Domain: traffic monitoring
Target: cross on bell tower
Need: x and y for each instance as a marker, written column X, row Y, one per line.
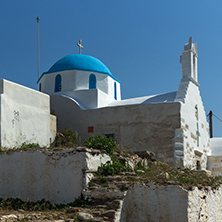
column 79, row 44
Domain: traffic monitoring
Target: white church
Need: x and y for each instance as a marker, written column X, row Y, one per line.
column 83, row 95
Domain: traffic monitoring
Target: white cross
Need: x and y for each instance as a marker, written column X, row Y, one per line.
column 80, row 46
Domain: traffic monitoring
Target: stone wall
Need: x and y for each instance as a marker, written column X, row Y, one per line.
column 140, row 127
column 57, row 176
column 154, row 203
column 214, row 160
column 214, row 164
column 193, row 138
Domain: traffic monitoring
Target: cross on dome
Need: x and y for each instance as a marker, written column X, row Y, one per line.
column 79, row 44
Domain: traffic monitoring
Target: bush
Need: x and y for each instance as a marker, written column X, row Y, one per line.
column 29, row 145
column 66, row 138
column 112, row 168
column 101, row 143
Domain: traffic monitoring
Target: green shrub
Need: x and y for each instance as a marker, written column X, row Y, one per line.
column 101, row 143
column 112, row 168
column 66, row 138
column 139, row 166
column 29, row 145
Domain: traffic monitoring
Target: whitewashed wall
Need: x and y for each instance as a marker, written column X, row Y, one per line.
column 135, row 127
column 25, row 116
column 75, row 80
column 89, row 98
column 53, row 128
column 57, row 176
column 171, row 203
column 192, row 114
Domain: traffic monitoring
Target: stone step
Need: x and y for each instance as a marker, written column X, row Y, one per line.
column 103, row 193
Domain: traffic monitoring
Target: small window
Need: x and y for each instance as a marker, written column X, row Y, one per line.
column 115, row 93
column 92, row 81
column 110, row 135
column 40, row 87
column 58, row 83
column 198, row 156
column 198, row 166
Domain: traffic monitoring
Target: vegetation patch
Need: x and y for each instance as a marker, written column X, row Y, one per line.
column 101, row 143
column 25, row 146
column 66, row 138
column 43, row 205
column 161, row 173
column 112, row 168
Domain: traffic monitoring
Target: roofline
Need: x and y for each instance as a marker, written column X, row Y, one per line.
column 45, row 73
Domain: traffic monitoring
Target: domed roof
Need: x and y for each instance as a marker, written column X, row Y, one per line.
column 80, row 62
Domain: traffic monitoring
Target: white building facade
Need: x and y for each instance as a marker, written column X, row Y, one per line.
column 25, row 116
column 86, row 97
column 82, row 77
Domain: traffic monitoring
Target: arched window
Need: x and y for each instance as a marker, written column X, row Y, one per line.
column 92, row 81
column 58, row 83
column 115, row 94
column 40, row 87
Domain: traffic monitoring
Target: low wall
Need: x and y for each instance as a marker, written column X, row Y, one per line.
column 214, row 164
column 57, row 176
column 171, row 203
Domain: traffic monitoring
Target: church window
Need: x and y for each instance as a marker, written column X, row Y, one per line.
column 58, row 83
column 198, row 166
column 197, row 157
column 92, row 81
column 115, row 94
column 40, row 87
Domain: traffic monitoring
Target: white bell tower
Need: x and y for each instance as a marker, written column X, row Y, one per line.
column 189, row 61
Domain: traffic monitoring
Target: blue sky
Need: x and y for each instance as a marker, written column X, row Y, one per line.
column 140, row 41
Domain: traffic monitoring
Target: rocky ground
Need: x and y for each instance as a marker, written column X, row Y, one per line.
column 106, row 192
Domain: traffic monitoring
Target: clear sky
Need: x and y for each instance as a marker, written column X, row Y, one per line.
column 140, row 42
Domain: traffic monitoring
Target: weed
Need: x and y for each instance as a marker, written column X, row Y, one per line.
column 25, row 146
column 42, row 205
column 104, row 185
column 124, row 187
column 80, row 202
column 133, row 179
column 66, row 138
column 75, row 217
column 139, row 166
column 101, row 143
column 91, row 184
column 112, row 168
column 104, row 179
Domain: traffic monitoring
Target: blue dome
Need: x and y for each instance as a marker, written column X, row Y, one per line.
column 80, row 62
